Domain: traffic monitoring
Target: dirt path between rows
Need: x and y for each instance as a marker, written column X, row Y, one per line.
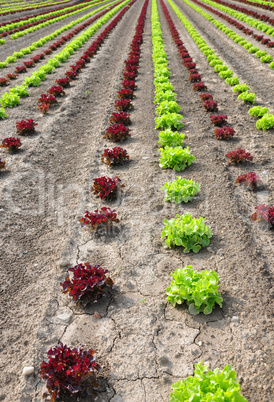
column 143, row 344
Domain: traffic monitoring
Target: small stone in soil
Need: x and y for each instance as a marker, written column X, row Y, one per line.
column 28, row 370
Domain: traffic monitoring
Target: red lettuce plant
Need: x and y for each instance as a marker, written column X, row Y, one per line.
column 20, row 69
column 45, row 98
column 72, row 74
column 206, row 96
column 11, row 76
column 98, row 218
column 193, row 71
column 69, row 371
column 218, row 120
column 117, row 132
column 224, row 133
column 43, row 107
column 199, row 86
column 63, row 82
column 29, row 63
column 187, row 60
column 210, row 106
column 76, row 68
column 264, row 213
column 87, row 284
column 189, row 66
column 56, row 90
column 131, row 67
column 250, row 179
column 81, row 63
column 129, row 84
column 132, row 60
column 114, row 156
column 107, row 187
column 270, row 44
column 195, row 77
column 2, row 164
column 120, row 118
column 238, row 156
column 130, row 75
column 25, row 127
column 125, row 94
column 4, row 82
column 11, row 143
column 123, row 105
column 47, row 51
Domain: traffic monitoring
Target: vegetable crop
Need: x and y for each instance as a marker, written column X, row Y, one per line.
column 198, row 289
column 69, row 372
column 186, row 231
column 176, row 158
column 180, row 190
column 88, row 282
column 207, row 385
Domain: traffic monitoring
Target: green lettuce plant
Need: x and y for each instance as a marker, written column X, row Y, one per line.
column 19, row 90
column 9, row 100
column 260, row 53
column 266, row 59
column 176, row 158
column 180, row 190
column 165, row 96
column 167, row 107
column 232, row 81
column 266, row 122
column 198, row 289
column 208, row 386
column 186, row 231
column 220, row 67
column 247, row 97
column 225, row 74
column 171, row 138
column 169, row 120
column 258, row 111
column 240, row 88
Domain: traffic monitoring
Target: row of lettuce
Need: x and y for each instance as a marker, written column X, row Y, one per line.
column 25, row 23
column 12, row 98
column 260, row 54
column 198, row 289
column 266, row 120
column 34, row 6
column 50, row 21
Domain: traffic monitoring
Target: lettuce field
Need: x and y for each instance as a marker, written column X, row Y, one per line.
column 137, row 207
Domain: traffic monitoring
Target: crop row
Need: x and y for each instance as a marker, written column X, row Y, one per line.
column 222, row 132
column 32, row 7
column 188, row 285
column 266, row 5
column 15, row 27
column 95, row 277
column 45, row 39
column 261, row 54
column 261, row 17
column 249, row 20
column 51, row 21
column 38, row 77
column 260, row 38
column 41, row 14
column 267, row 121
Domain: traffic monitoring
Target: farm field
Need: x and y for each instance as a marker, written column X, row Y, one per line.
column 162, row 54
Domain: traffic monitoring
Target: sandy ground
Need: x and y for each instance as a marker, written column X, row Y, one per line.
column 143, row 344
